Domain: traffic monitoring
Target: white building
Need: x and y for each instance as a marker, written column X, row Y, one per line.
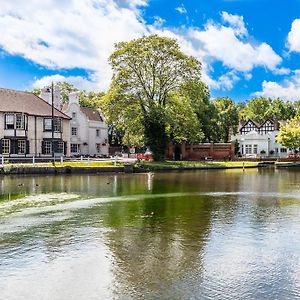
column 89, row 133
column 257, row 140
column 26, row 126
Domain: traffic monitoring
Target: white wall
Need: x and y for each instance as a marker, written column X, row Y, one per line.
column 265, row 142
column 86, row 131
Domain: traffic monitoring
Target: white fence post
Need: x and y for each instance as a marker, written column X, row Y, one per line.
column 81, row 158
column 61, row 161
column 2, row 161
column 88, row 161
column 115, row 160
column 33, row 160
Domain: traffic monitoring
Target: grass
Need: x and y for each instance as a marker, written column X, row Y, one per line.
column 73, row 164
column 192, row 164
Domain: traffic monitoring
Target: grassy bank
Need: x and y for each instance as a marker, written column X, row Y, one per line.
column 73, row 164
column 181, row 165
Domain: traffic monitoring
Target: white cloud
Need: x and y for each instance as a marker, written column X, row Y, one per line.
column 223, row 44
column 68, row 34
column 181, row 9
column 288, row 90
column 236, row 23
column 79, row 82
column 293, row 40
column 61, row 34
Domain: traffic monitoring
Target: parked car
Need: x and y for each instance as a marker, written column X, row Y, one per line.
column 147, row 155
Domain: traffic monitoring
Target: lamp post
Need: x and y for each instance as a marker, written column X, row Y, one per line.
column 52, row 121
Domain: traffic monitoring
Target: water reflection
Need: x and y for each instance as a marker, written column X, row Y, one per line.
column 191, row 235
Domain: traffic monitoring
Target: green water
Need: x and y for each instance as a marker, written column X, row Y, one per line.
column 188, row 235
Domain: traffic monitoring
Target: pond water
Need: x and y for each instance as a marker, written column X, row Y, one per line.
column 186, row 235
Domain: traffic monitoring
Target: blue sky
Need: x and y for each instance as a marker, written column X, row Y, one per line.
column 248, row 47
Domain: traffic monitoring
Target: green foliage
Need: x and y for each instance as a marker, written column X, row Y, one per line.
column 198, row 94
column 256, row 109
column 260, row 109
column 91, row 99
column 228, row 119
column 182, row 121
column 289, row 135
column 144, row 98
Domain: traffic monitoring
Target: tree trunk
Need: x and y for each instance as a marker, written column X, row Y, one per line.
column 155, row 134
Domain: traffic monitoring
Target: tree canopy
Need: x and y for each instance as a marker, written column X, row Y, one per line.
column 289, row 135
column 147, row 76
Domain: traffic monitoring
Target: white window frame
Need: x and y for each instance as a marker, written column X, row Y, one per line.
column 21, row 146
column 73, row 147
column 60, row 147
column 248, row 149
column 20, row 121
column 48, row 147
column 74, row 131
column 255, row 149
column 9, row 120
column 5, row 146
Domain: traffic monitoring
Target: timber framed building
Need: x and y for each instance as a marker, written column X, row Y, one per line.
column 26, row 126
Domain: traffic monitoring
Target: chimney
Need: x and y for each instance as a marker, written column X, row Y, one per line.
column 46, row 95
column 74, row 98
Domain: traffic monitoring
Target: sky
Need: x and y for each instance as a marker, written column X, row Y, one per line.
column 248, row 48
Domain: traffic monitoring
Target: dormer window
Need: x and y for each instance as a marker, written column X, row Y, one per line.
column 73, row 115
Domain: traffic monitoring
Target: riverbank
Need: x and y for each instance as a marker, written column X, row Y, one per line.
column 194, row 165
column 120, row 167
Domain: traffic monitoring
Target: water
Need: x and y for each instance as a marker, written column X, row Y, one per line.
column 190, row 235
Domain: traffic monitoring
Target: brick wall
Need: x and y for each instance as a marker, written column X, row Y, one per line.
column 201, row 151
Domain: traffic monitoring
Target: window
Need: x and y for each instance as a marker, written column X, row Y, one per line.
column 57, row 124
column 60, row 147
column 255, row 149
column 5, row 146
column 9, row 121
column 97, row 132
column 47, row 147
column 21, row 146
column 98, row 148
column 73, row 115
column 47, row 125
column 74, row 148
column 20, row 121
column 283, row 150
column 248, row 149
column 74, row 131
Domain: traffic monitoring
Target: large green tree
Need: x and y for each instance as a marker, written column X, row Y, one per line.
column 147, row 73
column 289, row 135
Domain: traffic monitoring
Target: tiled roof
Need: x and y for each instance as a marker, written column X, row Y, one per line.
column 26, row 102
column 92, row 114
